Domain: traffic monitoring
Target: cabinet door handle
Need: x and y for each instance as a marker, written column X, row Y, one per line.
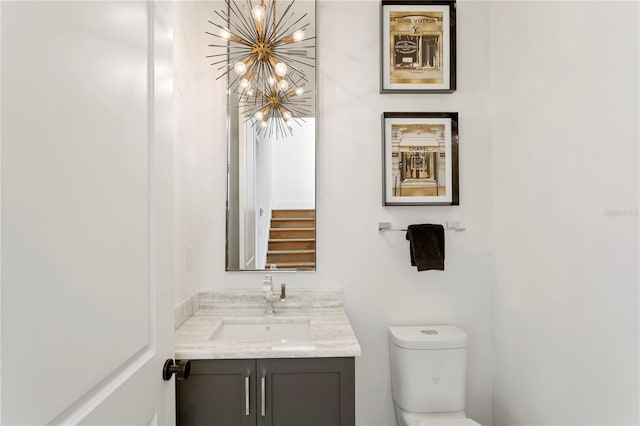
column 263, row 403
column 246, row 396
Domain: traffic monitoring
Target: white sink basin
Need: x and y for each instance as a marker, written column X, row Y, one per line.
column 263, row 329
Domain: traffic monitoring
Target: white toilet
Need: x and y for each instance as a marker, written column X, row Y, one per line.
column 428, row 369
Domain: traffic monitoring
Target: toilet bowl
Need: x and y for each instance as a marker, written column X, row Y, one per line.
column 428, row 370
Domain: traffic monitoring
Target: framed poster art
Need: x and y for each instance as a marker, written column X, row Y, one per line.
column 418, row 46
column 420, row 159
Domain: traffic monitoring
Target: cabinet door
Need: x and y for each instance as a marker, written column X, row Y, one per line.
column 306, row 392
column 218, row 392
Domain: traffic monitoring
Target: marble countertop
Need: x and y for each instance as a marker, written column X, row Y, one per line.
column 330, row 329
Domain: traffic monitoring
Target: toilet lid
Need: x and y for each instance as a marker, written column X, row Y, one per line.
column 447, row 422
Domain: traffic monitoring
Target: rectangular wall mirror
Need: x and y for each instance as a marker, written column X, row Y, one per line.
column 271, row 134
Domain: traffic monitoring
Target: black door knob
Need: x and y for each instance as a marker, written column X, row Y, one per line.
column 181, row 368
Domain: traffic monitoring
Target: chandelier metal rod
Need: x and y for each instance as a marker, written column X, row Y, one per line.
column 238, row 13
column 286, row 11
column 280, row 37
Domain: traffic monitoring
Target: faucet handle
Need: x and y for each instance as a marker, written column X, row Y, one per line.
column 283, row 292
column 266, row 283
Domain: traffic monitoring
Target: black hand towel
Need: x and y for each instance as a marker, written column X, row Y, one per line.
column 426, row 246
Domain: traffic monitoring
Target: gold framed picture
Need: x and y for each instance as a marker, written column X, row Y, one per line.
column 420, row 159
column 418, row 46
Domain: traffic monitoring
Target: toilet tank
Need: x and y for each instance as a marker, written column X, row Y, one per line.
column 428, row 367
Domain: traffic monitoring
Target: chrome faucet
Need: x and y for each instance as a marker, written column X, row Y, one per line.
column 269, row 297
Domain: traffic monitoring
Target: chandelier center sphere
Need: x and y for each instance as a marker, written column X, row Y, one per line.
column 262, row 50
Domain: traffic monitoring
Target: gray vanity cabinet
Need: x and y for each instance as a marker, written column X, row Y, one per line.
column 309, row 392
column 280, row 392
column 216, row 393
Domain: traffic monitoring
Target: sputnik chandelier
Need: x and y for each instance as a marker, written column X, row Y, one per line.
column 266, row 57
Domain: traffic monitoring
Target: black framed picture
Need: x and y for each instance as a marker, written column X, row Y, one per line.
column 418, row 46
column 420, row 159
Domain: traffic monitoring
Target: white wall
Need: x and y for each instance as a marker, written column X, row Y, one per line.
column 294, row 168
column 549, row 176
column 381, row 287
column 200, row 149
column 564, row 85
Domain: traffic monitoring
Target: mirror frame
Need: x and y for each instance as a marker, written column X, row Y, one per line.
column 230, row 116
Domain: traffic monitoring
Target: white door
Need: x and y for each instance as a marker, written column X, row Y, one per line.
column 86, row 219
column 247, row 195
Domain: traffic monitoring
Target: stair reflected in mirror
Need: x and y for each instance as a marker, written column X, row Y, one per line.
column 292, row 239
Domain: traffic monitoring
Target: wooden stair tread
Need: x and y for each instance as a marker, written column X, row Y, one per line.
column 293, row 229
column 292, row 223
column 291, row 240
column 292, row 233
column 284, row 243
column 293, row 264
column 310, row 214
column 301, row 251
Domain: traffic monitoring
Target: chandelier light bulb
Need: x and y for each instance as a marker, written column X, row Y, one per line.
column 250, row 92
column 244, row 84
column 281, row 69
column 299, row 91
column 298, row 35
column 287, row 116
column 263, row 123
column 271, row 81
column 283, row 85
column 258, row 12
column 225, row 34
column 289, row 123
column 259, row 115
column 240, row 68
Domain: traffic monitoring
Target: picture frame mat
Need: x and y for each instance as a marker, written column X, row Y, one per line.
column 386, row 42
column 392, row 199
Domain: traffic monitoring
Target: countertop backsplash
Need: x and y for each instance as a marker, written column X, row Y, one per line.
column 184, row 309
column 254, row 299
